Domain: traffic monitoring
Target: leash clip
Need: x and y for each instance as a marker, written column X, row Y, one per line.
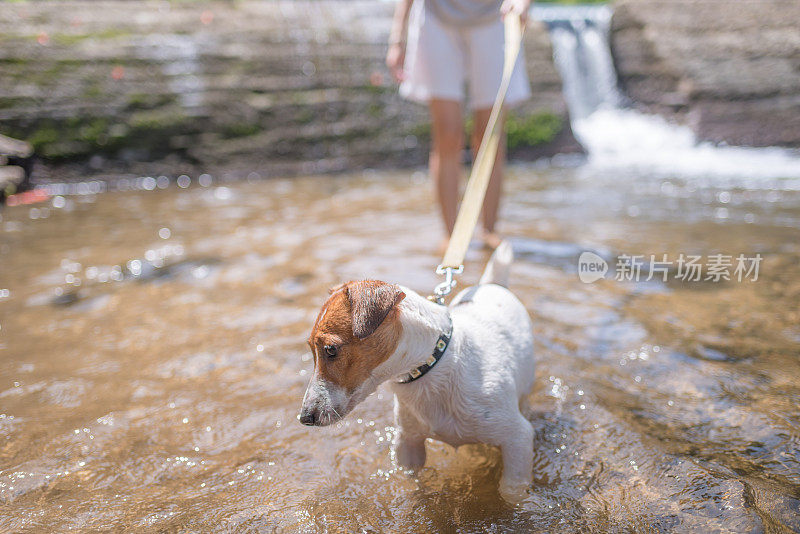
column 444, row 289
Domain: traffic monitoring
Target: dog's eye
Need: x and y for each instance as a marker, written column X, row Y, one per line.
column 330, row 350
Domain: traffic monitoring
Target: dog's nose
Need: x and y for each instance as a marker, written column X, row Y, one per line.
column 308, row 417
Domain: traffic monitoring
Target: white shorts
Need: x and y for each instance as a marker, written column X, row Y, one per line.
column 440, row 59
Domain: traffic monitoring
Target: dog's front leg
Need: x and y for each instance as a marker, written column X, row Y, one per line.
column 409, row 441
column 517, row 449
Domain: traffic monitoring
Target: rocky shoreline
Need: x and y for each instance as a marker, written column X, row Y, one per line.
column 281, row 88
column 730, row 69
column 147, row 87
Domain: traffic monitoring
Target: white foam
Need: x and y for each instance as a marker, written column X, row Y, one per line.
column 624, row 138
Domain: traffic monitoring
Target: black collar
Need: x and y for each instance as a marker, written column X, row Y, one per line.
column 438, row 352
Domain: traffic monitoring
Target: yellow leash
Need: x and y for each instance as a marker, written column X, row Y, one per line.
column 481, row 169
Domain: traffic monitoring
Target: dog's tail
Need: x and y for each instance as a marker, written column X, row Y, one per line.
column 499, row 265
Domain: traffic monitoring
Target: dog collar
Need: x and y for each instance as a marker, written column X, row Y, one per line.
column 438, row 352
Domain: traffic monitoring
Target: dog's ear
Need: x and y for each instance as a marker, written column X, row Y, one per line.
column 334, row 289
column 370, row 303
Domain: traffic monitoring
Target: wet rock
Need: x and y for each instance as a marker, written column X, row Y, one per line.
column 728, row 68
column 11, row 177
column 66, row 298
column 16, row 165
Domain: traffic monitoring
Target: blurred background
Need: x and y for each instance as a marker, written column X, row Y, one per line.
column 185, row 179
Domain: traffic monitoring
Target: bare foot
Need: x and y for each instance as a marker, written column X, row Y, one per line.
column 491, row 240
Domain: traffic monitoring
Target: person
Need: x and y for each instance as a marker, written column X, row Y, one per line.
column 435, row 47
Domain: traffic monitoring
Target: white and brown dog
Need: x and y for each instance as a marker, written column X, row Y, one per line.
column 458, row 373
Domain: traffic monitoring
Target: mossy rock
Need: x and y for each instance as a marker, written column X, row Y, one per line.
column 146, row 101
column 42, row 137
column 240, row 129
column 77, row 138
column 421, row 131
column 533, row 130
column 159, row 120
column 71, row 39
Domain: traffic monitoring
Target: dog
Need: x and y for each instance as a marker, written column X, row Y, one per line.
column 458, row 372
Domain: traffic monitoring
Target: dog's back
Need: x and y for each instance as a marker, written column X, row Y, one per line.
column 498, row 322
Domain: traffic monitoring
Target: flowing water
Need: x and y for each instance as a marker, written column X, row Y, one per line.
column 153, row 358
column 617, row 136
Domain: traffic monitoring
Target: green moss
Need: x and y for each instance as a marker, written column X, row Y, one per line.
column 71, row 39
column 298, row 98
column 375, row 110
column 535, row 129
column 157, row 119
column 305, row 116
column 15, row 61
column 42, row 137
column 95, row 132
column 138, row 101
column 378, row 89
column 65, row 150
column 50, row 72
column 240, row 129
column 71, row 138
column 142, row 101
column 79, row 137
column 67, row 39
column 532, row 130
column 11, row 102
column 93, row 91
column 421, row 131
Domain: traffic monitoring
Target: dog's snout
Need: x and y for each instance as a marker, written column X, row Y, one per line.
column 308, row 417
column 323, row 404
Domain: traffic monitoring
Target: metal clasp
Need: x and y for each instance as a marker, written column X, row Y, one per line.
column 444, row 289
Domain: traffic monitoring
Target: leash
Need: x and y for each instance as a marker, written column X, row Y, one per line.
column 453, row 261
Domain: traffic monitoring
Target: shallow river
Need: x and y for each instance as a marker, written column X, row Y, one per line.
column 153, row 359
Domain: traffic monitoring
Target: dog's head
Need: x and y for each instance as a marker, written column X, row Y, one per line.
column 357, row 329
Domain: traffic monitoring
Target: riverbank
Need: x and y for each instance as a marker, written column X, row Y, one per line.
column 281, row 88
column 145, row 88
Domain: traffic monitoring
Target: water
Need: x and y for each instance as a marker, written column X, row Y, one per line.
column 154, row 359
column 617, row 137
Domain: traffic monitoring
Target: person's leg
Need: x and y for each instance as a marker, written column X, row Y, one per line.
column 447, row 132
column 491, row 202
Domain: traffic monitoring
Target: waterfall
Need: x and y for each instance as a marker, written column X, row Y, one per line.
column 616, row 136
column 581, row 53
